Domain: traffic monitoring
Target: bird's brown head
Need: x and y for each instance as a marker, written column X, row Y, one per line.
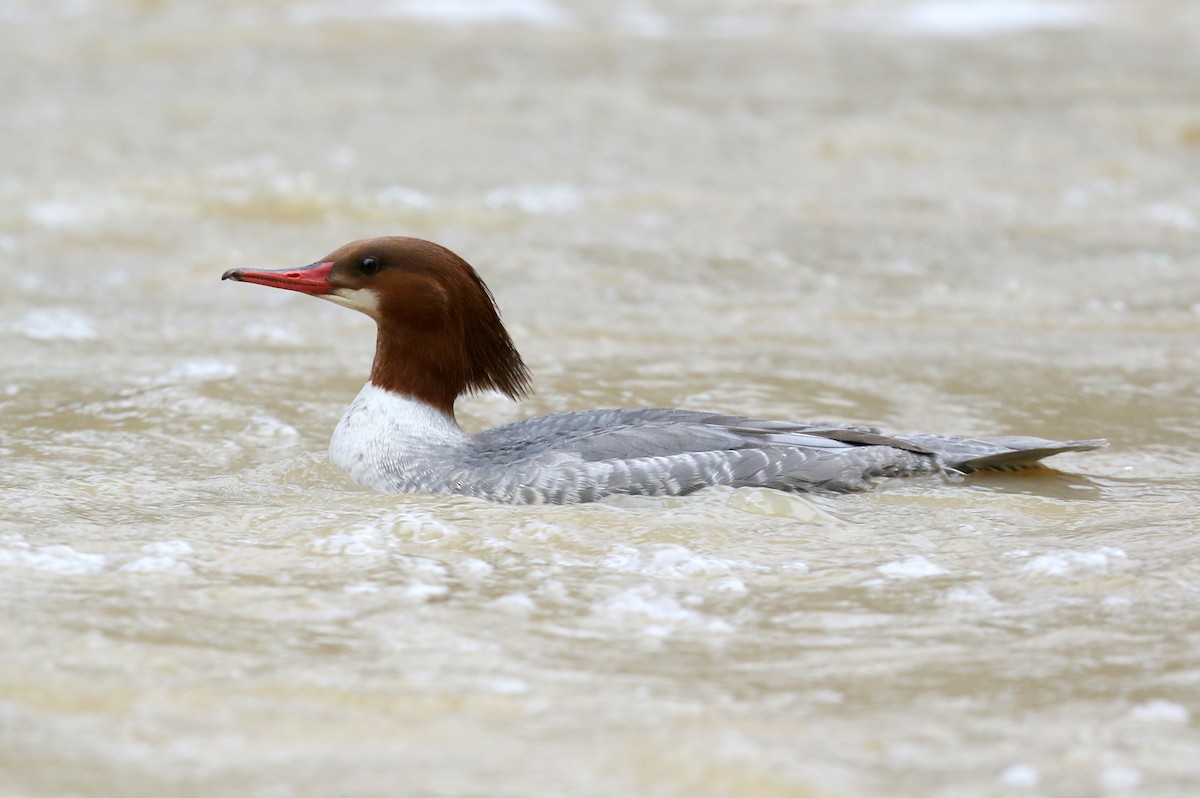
column 440, row 333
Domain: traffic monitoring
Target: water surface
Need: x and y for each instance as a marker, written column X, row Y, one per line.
column 974, row 218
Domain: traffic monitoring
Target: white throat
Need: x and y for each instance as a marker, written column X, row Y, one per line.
column 363, row 300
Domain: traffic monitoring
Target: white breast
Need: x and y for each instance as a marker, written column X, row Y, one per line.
column 392, row 442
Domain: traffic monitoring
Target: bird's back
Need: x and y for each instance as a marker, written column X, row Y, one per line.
column 581, row 456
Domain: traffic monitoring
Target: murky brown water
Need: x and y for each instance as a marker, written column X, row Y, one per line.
column 972, row 217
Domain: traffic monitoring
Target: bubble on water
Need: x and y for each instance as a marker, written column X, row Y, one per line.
column 734, row 26
column 1168, row 215
column 636, row 20
column 61, row 213
column 156, row 565
column 977, row 595
column 168, row 548
column 914, row 567
column 404, row 197
column 201, row 371
column 1020, row 775
column 1120, row 778
column 514, row 604
column 777, row 504
column 423, row 591
column 262, row 426
column 342, row 158
column 268, row 333
column 669, row 560
column 56, row 324
column 1066, row 562
column 508, row 685
column 537, row 198
column 473, row 569
column 362, row 541
column 729, row 585
column 420, row 527
column 53, row 559
column 1160, row 711
column 971, row 18
column 661, row 611
column 537, row 13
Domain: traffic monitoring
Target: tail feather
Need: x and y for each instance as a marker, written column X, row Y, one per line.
column 1006, row 453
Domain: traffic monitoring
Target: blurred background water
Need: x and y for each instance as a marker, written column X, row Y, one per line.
column 961, row 216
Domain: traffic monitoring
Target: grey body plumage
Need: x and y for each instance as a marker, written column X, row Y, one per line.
column 584, row 456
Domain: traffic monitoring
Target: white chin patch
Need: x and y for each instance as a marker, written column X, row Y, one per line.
column 363, row 300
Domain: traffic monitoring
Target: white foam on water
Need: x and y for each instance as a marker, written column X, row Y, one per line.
column 422, row 569
column 420, row 527
column 201, row 371
column 730, row 585
column 667, row 560
column 914, row 567
column 404, row 197
column 535, row 13
column 342, row 158
column 363, row 541
column 1169, row 215
column 423, row 591
column 536, row 198
column 55, row 324
column 1160, row 711
column 77, row 210
column 271, row 428
column 663, row 612
column 738, row 26
column 637, row 20
column 514, row 604
column 534, row 529
column 976, row 595
column 60, row 214
column 473, row 569
column 1020, row 775
column 53, row 559
column 777, row 504
column 506, row 685
column 969, row 18
column 75, row 8
column 269, row 333
column 156, row 565
column 1067, row 562
column 168, row 548
column 1120, row 777
column 963, row 19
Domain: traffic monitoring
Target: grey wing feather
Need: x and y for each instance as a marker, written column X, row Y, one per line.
column 581, row 456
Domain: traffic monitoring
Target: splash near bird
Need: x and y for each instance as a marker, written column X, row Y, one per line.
column 440, row 336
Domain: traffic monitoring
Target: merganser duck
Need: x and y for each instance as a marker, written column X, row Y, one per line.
column 440, row 337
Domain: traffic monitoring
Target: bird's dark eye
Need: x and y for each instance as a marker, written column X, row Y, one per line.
column 368, row 266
